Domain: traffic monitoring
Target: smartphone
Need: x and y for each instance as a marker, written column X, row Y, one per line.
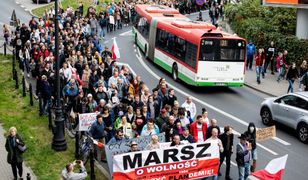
column 78, row 161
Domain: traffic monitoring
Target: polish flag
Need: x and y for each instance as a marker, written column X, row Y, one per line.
column 273, row 170
column 115, row 50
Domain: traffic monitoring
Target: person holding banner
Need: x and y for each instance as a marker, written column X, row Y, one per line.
column 97, row 132
column 154, row 144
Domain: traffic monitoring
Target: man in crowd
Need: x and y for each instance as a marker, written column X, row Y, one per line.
column 227, row 143
column 69, row 174
column 97, row 132
column 198, row 130
column 212, row 126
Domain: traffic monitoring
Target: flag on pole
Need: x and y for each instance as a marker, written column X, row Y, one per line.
column 115, row 50
column 273, row 170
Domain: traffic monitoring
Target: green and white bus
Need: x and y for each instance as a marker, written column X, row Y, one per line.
column 195, row 52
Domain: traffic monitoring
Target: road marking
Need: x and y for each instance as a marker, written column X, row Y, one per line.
column 22, row 6
column 281, row 141
column 138, row 55
column 265, row 148
column 127, row 33
column 233, row 163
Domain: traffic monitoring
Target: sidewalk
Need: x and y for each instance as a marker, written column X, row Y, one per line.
column 268, row 85
column 5, row 170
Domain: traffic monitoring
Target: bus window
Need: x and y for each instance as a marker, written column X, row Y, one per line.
column 143, row 27
column 222, row 50
column 191, row 54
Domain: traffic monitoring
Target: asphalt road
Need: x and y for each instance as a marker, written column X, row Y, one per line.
column 230, row 106
column 6, row 9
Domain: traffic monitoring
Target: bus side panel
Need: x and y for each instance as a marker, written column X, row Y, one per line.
column 166, row 62
column 141, row 41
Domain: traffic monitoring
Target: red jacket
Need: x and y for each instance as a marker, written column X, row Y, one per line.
column 259, row 59
column 194, row 131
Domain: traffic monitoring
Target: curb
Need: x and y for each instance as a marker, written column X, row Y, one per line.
column 256, row 89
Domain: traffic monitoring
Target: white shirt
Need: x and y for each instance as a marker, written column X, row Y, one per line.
column 216, row 141
column 200, row 133
column 191, row 107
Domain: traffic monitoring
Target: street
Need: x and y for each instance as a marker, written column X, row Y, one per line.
column 230, row 106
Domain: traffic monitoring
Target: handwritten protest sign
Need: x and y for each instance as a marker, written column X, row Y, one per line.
column 86, row 120
column 266, row 133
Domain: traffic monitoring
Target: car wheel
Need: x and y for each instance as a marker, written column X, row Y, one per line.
column 175, row 72
column 302, row 133
column 266, row 116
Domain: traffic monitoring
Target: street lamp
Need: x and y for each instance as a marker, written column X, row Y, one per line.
column 58, row 140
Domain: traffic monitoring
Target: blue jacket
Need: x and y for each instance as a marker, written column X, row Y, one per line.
column 251, row 49
column 70, row 91
column 97, row 130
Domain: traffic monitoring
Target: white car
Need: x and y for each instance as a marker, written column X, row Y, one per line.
column 290, row 110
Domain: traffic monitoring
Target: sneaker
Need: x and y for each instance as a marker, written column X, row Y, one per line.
column 28, row 75
column 273, row 73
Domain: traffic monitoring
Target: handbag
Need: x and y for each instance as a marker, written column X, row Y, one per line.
column 21, row 148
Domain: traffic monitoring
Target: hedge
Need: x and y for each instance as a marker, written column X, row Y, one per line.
column 261, row 24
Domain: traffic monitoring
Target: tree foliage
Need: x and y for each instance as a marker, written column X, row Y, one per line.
column 264, row 24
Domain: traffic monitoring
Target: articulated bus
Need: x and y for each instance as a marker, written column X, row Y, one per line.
column 195, row 52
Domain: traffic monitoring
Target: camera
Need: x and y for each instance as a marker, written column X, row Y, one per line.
column 78, row 161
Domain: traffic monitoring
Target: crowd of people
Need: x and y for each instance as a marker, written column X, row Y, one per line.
column 126, row 107
column 277, row 62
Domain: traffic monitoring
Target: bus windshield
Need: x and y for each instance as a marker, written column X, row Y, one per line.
column 222, row 50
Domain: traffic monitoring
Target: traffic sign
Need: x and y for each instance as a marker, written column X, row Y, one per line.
column 13, row 17
column 200, row 2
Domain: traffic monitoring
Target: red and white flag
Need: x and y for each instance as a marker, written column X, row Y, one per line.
column 115, row 50
column 273, row 170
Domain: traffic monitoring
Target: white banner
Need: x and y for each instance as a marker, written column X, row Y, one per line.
column 86, row 120
column 190, row 161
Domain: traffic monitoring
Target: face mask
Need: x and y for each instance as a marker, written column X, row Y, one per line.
column 251, row 129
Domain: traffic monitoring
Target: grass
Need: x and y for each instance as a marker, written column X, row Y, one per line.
column 16, row 111
column 73, row 3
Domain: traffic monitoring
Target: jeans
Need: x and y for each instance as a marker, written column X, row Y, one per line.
column 26, row 63
column 249, row 61
column 244, row 171
column 93, row 31
column 102, row 32
column 258, row 72
column 290, row 88
column 46, row 105
column 280, row 73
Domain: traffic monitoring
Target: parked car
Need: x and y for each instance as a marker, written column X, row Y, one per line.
column 290, row 110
